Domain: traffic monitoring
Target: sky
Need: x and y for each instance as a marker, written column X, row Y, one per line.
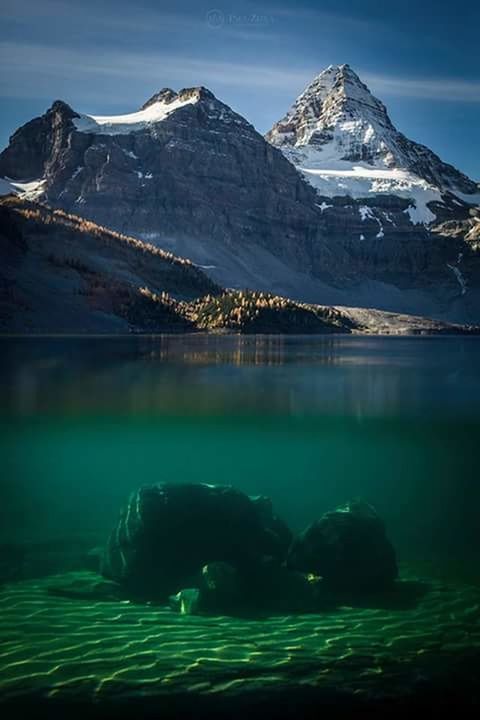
column 422, row 59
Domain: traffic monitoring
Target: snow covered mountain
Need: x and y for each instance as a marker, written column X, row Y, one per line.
column 382, row 195
column 341, row 137
column 334, row 207
column 184, row 172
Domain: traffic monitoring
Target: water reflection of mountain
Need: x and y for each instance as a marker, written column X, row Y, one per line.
column 355, row 376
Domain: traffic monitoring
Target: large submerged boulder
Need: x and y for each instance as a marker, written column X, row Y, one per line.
column 167, row 533
column 348, row 548
column 214, row 549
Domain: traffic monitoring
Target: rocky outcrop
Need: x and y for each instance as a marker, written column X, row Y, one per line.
column 33, row 146
column 211, row 548
column 167, row 533
column 348, row 548
column 258, row 312
column 185, row 171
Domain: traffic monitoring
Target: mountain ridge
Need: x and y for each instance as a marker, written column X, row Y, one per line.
column 62, row 274
column 188, row 174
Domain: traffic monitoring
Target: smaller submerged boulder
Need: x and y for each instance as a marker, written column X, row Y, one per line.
column 266, row 587
column 271, row 587
column 186, row 602
column 348, row 548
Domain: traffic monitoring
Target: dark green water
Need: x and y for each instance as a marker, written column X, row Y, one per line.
column 311, row 422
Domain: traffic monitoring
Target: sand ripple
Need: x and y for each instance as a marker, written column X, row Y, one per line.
column 57, row 646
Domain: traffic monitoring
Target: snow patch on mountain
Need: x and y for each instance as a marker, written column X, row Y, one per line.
column 458, row 274
column 420, row 213
column 132, row 122
column 366, row 212
column 362, row 181
column 30, row 190
column 323, row 206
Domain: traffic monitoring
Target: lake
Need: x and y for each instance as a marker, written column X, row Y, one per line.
column 311, row 422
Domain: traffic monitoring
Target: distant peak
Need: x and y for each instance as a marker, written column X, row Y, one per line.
column 201, row 92
column 337, row 74
column 59, row 106
column 334, row 68
column 167, row 96
column 334, row 101
column 345, row 69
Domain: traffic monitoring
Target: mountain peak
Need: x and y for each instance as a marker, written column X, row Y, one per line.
column 160, row 106
column 343, row 70
column 335, row 96
column 167, row 96
column 336, row 122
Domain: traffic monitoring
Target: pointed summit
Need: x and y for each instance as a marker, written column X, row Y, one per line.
column 335, row 97
column 336, row 121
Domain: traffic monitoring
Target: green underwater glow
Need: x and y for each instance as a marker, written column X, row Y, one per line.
column 309, row 423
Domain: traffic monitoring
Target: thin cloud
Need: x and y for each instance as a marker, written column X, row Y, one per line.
column 447, row 89
column 43, row 67
column 35, row 70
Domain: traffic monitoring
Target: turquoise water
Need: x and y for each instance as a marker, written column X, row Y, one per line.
column 311, row 422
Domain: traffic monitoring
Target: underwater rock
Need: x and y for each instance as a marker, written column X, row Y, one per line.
column 168, row 532
column 278, row 536
column 348, row 548
column 220, row 587
column 265, row 587
column 271, row 587
column 186, row 602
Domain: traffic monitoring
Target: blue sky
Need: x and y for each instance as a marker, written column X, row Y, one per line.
column 421, row 58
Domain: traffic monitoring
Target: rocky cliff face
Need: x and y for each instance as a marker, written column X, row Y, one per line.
column 335, row 206
column 185, row 172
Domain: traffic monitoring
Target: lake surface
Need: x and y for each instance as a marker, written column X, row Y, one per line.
column 312, row 422
column 309, row 421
